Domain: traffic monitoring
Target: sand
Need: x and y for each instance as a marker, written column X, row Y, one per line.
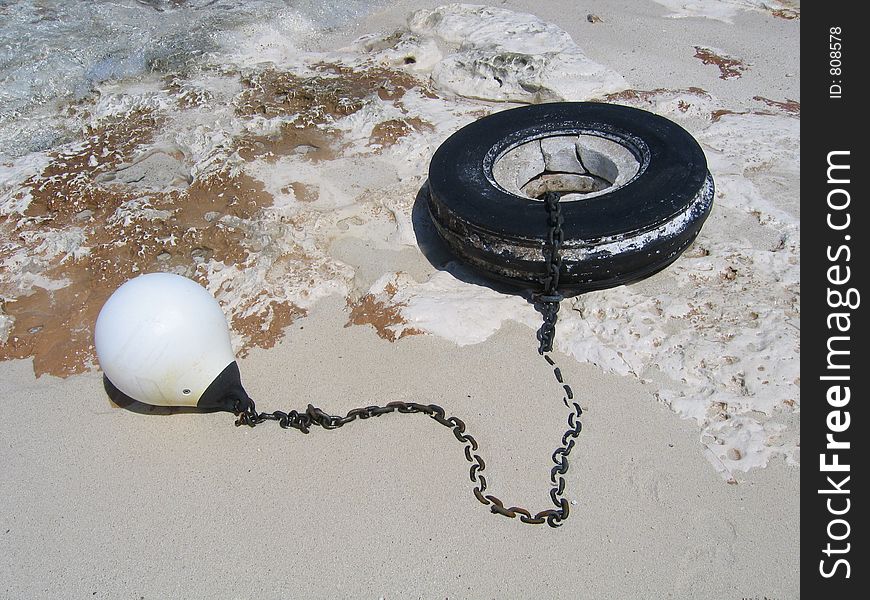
column 101, row 500
column 107, row 502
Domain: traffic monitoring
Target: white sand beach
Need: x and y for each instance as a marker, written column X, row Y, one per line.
column 279, row 162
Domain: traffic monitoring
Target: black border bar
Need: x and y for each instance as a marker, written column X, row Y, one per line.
column 834, row 370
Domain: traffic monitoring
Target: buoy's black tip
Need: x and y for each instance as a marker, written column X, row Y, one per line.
column 225, row 391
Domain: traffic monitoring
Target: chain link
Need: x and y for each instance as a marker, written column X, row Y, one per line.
column 548, row 304
column 246, row 413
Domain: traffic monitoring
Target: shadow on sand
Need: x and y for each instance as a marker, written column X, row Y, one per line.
column 122, row 400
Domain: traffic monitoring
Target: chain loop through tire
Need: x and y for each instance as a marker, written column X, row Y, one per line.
column 246, row 413
column 548, row 303
column 617, row 235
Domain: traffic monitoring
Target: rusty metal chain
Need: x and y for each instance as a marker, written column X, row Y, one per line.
column 548, row 303
column 247, row 414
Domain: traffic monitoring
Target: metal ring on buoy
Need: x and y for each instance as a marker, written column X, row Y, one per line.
column 634, row 187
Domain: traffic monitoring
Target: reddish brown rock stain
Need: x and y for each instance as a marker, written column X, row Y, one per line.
column 387, row 133
column 792, row 107
column 649, row 95
column 315, row 102
column 729, row 66
column 55, row 327
column 304, row 192
column 380, row 314
column 789, row 107
column 787, row 13
column 184, row 228
column 334, row 91
column 718, row 114
column 264, row 328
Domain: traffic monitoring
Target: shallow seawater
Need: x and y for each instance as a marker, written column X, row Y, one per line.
column 55, row 51
column 209, row 139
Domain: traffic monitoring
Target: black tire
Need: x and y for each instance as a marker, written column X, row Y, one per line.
column 616, row 237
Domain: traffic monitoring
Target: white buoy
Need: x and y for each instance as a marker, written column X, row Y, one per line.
column 162, row 339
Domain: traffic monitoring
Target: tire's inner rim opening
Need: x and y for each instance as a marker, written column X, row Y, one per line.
column 576, row 167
